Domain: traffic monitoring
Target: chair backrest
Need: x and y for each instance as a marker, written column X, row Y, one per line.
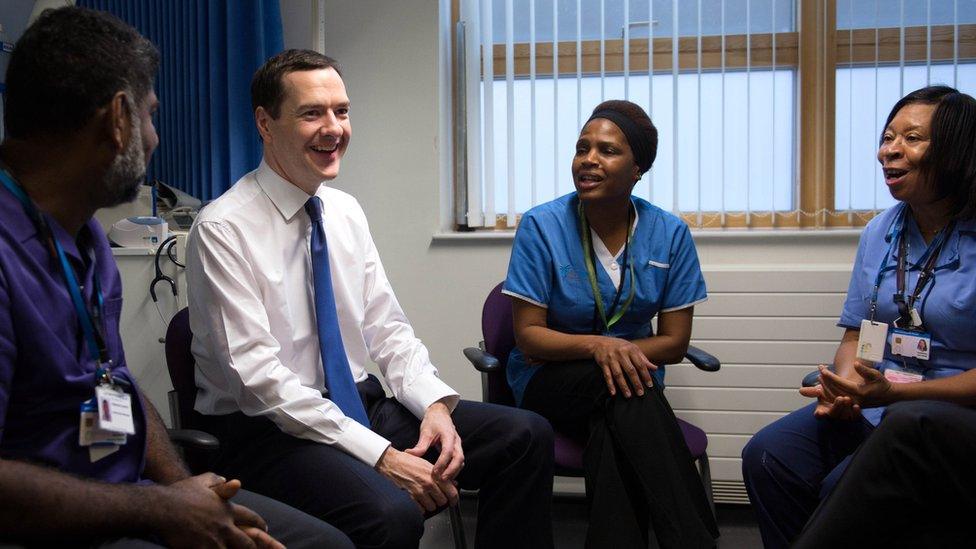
column 179, row 361
column 496, row 328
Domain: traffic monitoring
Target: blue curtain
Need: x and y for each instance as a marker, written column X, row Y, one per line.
column 210, row 50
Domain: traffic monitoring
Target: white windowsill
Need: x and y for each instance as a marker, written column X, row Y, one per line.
column 698, row 234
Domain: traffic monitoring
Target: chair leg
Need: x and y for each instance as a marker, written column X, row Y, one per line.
column 706, row 475
column 457, row 527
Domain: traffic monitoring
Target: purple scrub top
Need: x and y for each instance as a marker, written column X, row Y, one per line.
column 45, row 369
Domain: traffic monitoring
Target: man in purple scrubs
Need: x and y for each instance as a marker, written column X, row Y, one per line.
column 79, row 110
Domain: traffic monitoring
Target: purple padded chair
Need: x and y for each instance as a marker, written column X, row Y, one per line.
column 180, row 363
column 491, row 359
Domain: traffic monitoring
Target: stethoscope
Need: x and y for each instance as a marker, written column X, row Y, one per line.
column 166, row 246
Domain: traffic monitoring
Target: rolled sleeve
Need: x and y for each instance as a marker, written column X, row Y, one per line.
column 686, row 285
column 228, row 316
column 859, row 289
column 530, row 267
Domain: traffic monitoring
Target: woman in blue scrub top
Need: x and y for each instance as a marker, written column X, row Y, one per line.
column 588, row 272
column 914, row 287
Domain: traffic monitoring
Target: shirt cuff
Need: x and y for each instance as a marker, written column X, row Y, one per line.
column 425, row 390
column 361, row 443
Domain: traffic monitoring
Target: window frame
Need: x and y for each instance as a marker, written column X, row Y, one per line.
column 815, row 51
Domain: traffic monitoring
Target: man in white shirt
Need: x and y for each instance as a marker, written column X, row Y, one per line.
column 253, row 313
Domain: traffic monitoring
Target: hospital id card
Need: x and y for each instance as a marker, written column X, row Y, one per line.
column 911, row 344
column 114, row 410
column 100, row 443
column 871, row 340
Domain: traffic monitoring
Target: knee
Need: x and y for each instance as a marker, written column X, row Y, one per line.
column 755, row 451
column 325, row 535
column 399, row 524
column 916, row 418
column 531, row 434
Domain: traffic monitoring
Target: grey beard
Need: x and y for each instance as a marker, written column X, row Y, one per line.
column 128, row 170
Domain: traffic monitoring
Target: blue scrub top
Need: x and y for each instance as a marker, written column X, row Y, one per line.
column 947, row 305
column 547, row 269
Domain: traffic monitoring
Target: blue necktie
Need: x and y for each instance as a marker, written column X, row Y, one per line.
column 338, row 376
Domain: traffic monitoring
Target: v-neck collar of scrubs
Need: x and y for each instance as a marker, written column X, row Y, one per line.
column 917, row 245
column 611, row 262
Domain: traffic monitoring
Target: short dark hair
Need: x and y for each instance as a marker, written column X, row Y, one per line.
column 267, row 90
column 949, row 163
column 636, row 114
column 68, row 64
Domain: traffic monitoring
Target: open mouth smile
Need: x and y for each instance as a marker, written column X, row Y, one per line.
column 893, row 176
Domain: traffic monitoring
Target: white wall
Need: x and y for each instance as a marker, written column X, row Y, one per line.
column 388, row 51
column 389, row 54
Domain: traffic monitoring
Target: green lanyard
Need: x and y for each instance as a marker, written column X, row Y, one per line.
column 589, row 259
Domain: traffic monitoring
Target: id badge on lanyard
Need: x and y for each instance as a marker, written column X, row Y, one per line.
column 908, row 338
column 106, row 418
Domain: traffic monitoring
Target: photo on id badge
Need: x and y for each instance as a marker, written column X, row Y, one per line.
column 911, row 344
column 106, row 411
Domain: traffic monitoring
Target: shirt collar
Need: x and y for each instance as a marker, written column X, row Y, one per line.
column 15, row 219
column 23, row 229
column 286, row 197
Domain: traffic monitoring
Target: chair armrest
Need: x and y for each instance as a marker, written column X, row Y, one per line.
column 813, row 378
column 481, row 360
column 703, row 360
column 191, row 438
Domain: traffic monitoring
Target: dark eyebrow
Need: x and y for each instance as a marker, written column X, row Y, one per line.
column 307, row 106
column 907, row 129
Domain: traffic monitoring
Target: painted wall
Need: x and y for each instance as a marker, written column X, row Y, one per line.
column 389, row 53
column 391, row 62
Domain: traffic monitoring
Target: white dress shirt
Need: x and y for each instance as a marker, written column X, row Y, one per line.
column 252, row 313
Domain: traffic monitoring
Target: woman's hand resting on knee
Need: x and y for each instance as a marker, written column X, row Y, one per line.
column 624, row 366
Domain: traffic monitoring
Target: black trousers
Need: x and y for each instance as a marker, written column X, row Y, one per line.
column 911, row 484
column 508, row 458
column 640, row 478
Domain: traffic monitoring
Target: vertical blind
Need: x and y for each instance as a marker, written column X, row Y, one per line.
column 724, row 81
column 886, row 49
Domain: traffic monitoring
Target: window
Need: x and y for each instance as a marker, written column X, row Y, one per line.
column 886, row 49
column 752, row 99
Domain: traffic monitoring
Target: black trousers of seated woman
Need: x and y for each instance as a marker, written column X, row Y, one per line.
column 641, row 482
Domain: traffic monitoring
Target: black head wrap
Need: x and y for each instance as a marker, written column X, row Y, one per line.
column 639, row 145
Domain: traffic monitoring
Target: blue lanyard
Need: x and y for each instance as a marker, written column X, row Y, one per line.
column 95, row 342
